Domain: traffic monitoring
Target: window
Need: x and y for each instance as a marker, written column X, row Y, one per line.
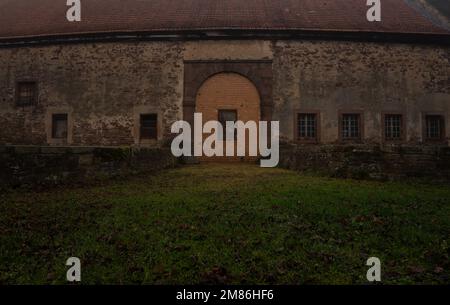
column 434, row 127
column 351, row 127
column 228, row 116
column 26, row 94
column 307, row 124
column 393, row 127
column 59, row 126
column 149, row 126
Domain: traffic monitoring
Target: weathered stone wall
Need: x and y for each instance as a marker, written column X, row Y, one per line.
column 369, row 161
column 42, row 165
column 104, row 86
column 369, row 77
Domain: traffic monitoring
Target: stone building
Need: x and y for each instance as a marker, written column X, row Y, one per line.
column 129, row 69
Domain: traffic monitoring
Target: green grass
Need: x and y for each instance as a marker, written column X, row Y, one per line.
column 227, row 224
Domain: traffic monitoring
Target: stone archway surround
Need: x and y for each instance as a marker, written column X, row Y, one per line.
column 197, row 72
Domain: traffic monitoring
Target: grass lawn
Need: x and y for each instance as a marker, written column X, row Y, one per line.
column 227, row 224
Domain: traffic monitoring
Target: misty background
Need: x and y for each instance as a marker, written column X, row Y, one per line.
column 436, row 10
column 443, row 6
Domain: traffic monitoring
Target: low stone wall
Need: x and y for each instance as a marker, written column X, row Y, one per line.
column 41, row 165
column 368, row 161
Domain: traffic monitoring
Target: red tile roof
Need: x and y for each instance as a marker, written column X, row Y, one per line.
column 25, row 18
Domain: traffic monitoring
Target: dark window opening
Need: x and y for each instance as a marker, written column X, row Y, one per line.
column 149, row 127
column 307, row 126
column 351, row 126
column 393, row 124
column 434, row 127
column 26, row 94
column 228, row 116
column 59, row 126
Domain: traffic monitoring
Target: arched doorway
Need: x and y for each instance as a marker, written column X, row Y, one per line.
column 228, row 96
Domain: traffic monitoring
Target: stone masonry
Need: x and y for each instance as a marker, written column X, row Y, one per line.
column 103, row 86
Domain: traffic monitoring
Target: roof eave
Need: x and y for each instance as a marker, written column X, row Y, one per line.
column 228, row 34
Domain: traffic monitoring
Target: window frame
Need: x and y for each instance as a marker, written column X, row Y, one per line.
column 360, row 115
column 223, row 136
column 141, row 116
column 35, row 97
column 53, row 126
column 307, row 140
column 403, row 130
column 443, row 135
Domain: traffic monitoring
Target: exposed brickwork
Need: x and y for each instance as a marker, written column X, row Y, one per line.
column 228, row 91
column 258, row 72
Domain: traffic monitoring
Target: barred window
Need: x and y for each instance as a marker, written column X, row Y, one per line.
column 26, row 94
column 351, row 126
column 393, row 126
column 228, row 116
column 434, row 127
column 149, row 127
column 59, row 126
column 307, row 126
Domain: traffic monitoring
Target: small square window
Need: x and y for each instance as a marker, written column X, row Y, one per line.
column 307, row 126
column 149, row 127
column 59, row 126
column 434, row 127
column 393, row 125
column 351, row 127
column 228, row 116
column 26, row 94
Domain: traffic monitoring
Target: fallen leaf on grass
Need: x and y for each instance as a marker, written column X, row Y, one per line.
column 217, row 276
column 438, row 270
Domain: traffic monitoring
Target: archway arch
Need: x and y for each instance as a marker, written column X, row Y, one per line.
column 228, row 96
column 228, row 90
column 259, row 72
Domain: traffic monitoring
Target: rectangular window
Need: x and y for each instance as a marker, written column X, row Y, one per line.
column 59, row 126
column 149, row 126
column 434, row 127
column 393, row 125
column 307, row 126
column 351, row 127
column 228, row 116
column 26, row 94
